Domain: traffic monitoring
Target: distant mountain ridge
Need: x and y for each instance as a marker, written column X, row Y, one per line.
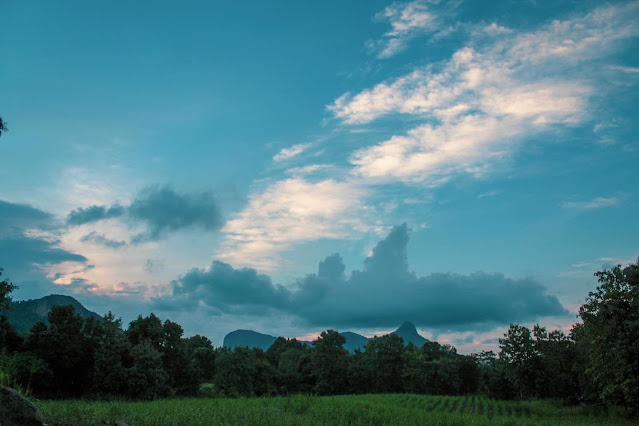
column 409, row 333
column 249, row 338
column 253, row 339
column 23, row 314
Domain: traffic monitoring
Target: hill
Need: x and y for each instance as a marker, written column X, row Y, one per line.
column 249, row 338
column 409, row 333
column 253, row 339
column 354, row 341
column 23, row 314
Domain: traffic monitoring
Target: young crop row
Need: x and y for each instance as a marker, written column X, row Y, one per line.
column 335, row 410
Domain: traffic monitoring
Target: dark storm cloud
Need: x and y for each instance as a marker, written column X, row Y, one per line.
column 102, row 240
column 21, row 254
column 164, row 210
column 14, row 218
column 233, row 290
column 93, row 214
column 25, row 251
column 18, row 250
column 383, row 294
column 161, row 209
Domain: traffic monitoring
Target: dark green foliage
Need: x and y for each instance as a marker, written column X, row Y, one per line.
column 611, row 325
column 146, row 378
column 176, row 361
column 10, row 340
column 534, row 364
column 147, row 329
column 111, row 354
column 27, row 370
column 290, row 360
column 66, row 350
column 557, row 354
column 360, row 373
column 437, row 369
column 329, row 364
column 519, row 359
column 493, row 377
column 242, row 372
column 202, row 358
column 385, row 358
column 3, row 126
column 6, row 287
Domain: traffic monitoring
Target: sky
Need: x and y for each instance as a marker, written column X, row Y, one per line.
column 290, row 167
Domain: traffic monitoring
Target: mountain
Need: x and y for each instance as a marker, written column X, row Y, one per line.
column 24, row 314
column 354, row 341
column 249, row 338
column 409, row 333
column 253, row 339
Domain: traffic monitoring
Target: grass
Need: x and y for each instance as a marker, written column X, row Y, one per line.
column 333, row 410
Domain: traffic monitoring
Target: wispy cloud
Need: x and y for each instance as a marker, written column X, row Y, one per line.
column 102, row 240
column 407, row 21
column 306, row 170
column 291, row 152
column 487, row 98
column 491, row 193
column 595, row 203
column 627, row 70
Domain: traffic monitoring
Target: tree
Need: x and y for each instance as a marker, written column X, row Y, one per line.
column 146, row 329
column 66, row 350
column 360, row 373
column 6, row 287
column 112, row 350
column 146, row 378
column 3, row 126
column 329, row 363
column 611, row 322
column 520, row 358
column 287, row 357
column 202, row 356
column 175, row 360
column 557, row 354
column 242, row 372
column 386, row 359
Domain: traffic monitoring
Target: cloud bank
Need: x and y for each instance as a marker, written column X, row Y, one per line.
column 160, row 209
column 382, row 294
column 26, row 249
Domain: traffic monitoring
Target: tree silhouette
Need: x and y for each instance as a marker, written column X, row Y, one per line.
column 3, row 126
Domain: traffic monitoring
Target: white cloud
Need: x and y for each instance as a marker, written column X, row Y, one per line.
column 483, row 101
column 407, row 20
column 491, row 193
column 292, row 211
column 627, row 70
column 495, row 28
column 306, row 170
column 595, row 203
column 430, row 153
column 291, row 152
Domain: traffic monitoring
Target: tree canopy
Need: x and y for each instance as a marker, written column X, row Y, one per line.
column 3, row 126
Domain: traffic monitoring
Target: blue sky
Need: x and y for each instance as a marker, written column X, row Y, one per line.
column 207, row 161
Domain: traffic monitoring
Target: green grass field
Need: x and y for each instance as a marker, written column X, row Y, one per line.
column 334, row 410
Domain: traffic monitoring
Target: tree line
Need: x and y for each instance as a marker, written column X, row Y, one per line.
column 597, row 362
